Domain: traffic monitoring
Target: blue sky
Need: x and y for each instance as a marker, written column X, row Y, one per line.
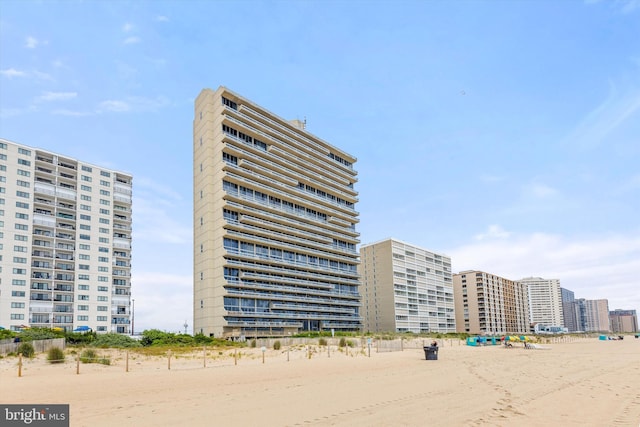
column 504, row 134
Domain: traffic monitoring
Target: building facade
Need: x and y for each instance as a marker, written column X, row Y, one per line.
column 274, row 224
column 406, row 288
column 596, row 315
column 545, row 301
column 569, row 310
column 623, row 320
column 489, row 304
column 65, row 236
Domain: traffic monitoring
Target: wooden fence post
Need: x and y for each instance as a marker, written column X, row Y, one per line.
column 19, row 364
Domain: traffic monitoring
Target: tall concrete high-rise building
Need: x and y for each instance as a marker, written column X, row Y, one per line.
column 489, row 304
column 596, row 315
column 545, row 301
column 65, row 242
column 406, row 288
column 274, row 224
column 569, row 310
column 623, row 320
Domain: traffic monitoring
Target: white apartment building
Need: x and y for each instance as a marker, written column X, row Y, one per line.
column 274, row 224
column 65, row 242
column 406, row 288
column 545, row 301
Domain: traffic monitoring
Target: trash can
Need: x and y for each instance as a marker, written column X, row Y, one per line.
column 431, row 352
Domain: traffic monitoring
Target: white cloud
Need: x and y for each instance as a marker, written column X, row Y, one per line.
column 31, row 43
column 543, row 191
column 493, row 232
column 628, row 6
column 593, row 267
column 56, row 96
column 127, row 27
column 134, row 104
column 162, row 18
column 63, row 112
column 618, row 108
column 12, row 72
column 114, row 106
column 132, row 40
column 152, row 290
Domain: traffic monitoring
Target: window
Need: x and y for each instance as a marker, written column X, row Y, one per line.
column 85, row 217
column 103, row 259
column 83, row 287
column 105, row 202
column 85, row 207
column 17, row 305
column 85, row 197
column 19, row 282
column 103, row 298
column 86, row 178
column 104, row 221
column 22, row 183
column 23, row 172
column 83, row 267
column 19, row 260
column 22, row 215
column 85, row 247
column 24, row 162
column 101, row 319
column 83, row 318
column 105, row 192
column 83, row 308
column 83, row 297
column 17, row 316
column 21, row 238
column 105, row 183
column 104, row 230
column 17, row 293
column 84, row 257
column 85, row 188
column 103, row 308
column 103, row 269
column 85, row 227
column 105, row 211
column 22, row 205
column 85, row 237
column 19, row 271
column 87, row 168
column 21, row 227
column 24, row 151
column 105, row 173
column 103, row 249
column 103, row 289
column 21, row 194
column 83, row 277
column 103, row 279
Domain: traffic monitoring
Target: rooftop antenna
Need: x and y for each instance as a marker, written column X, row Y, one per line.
column 304, row 123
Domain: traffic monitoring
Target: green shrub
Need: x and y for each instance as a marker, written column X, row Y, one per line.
column 322, row 341
column 343, row 342
column 26, row 350
column 88, row 356
column 276, row 345
column 33, row 334
column 104, row 361
column 112, row 340
column 253, row 343
column 55, row 355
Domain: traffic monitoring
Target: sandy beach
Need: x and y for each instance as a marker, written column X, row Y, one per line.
column 582, row 383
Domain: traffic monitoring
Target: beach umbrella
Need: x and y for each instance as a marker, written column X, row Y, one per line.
column 82, row 329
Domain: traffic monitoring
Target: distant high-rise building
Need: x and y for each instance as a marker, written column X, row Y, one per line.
column 596, row 315
column 486, row 303
column 66, row 256
column 623, row 320
column 569, row 310
column 545, row 301
column 274, row 224
column 406, row 288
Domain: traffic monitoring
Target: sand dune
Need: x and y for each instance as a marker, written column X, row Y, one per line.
column 582, row 383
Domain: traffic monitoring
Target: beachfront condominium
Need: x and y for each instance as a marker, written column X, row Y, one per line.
column 570, row 310
column 596, row 315
column 406, row 288
column 545, row 301
column 274, row 224
column 490, row 304
column 623, row 320
column 65, row 242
